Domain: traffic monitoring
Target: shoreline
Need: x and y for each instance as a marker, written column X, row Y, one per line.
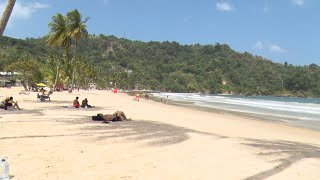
column 256, row 117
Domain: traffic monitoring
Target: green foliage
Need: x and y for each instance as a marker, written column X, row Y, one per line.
column 169, row 66
column 30, row 69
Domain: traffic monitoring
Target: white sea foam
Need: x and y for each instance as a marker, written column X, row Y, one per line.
column 292, row 108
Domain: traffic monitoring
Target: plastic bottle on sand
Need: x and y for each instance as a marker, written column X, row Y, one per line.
column 4, row 169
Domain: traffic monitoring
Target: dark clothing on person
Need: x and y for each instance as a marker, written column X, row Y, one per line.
column 8, row 102
column 117, row 116
column 85, row 103
column 101, row 117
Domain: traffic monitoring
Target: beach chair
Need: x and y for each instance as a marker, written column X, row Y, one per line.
column 42, row 97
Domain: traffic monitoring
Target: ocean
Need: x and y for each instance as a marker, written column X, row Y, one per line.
column 302, row 112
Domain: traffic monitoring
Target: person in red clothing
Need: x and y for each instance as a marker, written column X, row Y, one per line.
column 76, row 103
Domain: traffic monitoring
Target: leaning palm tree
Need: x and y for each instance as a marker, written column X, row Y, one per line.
column 77, row 30
column 6, row 15
column 58, row 37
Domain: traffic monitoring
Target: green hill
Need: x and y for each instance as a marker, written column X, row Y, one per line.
column 169, row 66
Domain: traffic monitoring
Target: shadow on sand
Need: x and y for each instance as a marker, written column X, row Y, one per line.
column 36, row 112
column 155, row 133
column 295, row 152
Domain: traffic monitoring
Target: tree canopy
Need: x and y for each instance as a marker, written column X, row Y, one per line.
column 172, row 67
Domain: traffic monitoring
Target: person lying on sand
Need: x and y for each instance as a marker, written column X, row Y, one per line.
column 8, row 102
column 116, row 116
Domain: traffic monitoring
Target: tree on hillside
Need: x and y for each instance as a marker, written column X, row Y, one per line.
column 77, row 30
column 58, row 37
column 30, row 69
column 6, row 15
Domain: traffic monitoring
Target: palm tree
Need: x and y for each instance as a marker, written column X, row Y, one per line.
column 58, row 37
column 6, row 15
column 77, row 30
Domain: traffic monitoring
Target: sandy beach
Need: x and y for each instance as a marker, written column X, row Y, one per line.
column 47, row 141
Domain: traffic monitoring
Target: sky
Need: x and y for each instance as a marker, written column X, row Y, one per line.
column 279, row 30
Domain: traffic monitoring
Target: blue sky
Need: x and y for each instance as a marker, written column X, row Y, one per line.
column 280, row 30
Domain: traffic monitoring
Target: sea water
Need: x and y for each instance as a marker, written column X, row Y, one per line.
column 303, row 112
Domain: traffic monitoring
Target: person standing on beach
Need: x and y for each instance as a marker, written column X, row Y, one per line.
column 137, row 97
column 146, row 96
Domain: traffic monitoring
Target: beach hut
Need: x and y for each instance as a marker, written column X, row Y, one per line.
column 4, row 83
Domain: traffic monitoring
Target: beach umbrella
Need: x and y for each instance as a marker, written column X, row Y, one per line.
column 41, row 85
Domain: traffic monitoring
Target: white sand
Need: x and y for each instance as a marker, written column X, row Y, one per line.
column 46, row 141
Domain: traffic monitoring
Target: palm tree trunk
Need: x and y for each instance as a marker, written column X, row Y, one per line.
column 57, row 73
column 74, row 67
column 6, row 15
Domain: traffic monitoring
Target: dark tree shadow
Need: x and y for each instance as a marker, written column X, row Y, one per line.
column 65, row 108
column 47, row 136
column 48, row 102
column 155, row 133
column 295, row 152
column 23, row 111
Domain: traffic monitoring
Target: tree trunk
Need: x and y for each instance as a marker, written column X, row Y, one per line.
column 6, row 15
column 24, row 85
column 57, row 73
column 74, row 68
column 56, row 79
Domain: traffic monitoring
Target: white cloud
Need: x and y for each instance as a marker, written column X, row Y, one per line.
column 298, row 2
column 224, row 6
column 37, row 5
column 274, row 48
column 259, row 45
column 22, row 11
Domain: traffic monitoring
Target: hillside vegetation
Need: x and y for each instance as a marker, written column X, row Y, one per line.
column 169, row 66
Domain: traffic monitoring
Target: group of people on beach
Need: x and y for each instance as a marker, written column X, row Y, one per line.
column 84, row 104
column 9, row 103
column 44, row 95
column 116, row 116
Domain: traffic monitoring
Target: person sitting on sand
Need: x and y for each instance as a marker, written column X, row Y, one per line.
column 76, row 103
column 116, row 116
column 85, row 104
column 45, row 95
column 8, row 102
